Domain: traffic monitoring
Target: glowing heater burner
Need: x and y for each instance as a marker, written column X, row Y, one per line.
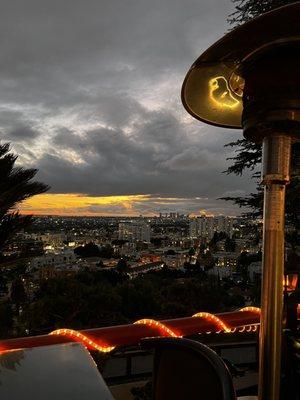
column 220, row 93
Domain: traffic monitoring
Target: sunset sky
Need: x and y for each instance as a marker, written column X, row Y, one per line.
column 90, row 95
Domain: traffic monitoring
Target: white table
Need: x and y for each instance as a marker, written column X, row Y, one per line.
column 60, row 372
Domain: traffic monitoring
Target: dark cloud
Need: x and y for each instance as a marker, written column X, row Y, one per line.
column 23, row 133
column 160, row 159
column 94, row 87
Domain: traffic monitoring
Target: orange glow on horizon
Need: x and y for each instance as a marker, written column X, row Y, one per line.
column 78, row 204
column 82, row 205
column 69, row 204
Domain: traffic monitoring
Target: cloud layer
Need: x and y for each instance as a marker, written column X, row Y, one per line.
column 90, row 95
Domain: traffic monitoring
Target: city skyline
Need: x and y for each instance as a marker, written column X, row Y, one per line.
column 93, row 102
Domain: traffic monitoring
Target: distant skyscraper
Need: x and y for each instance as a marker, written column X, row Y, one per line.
column 224, row 224
column 194, row 228
column 205, row 227
column 134, row 231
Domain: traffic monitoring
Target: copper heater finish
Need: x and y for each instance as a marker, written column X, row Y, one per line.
column 276, row 165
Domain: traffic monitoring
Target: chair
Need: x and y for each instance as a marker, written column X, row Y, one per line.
column 187, row 370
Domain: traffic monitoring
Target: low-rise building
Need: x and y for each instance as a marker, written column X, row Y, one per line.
column 255, row 270
column 144, row 268
column 226, row 259
column 53, row 258
column 223, row 272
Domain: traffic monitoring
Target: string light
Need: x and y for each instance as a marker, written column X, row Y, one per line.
column 255, row 310
column 242, row 329
column 164, row 330
column 9, row 351
column 158, row 325
column 215, row 320
column 83, row 339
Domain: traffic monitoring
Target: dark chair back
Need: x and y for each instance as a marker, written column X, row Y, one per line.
column 187, row 370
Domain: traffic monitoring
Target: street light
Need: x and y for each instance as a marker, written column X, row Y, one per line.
column 250, row 79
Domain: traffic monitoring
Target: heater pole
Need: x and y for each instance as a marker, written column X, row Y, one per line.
column 261, row 95
column 276, row 170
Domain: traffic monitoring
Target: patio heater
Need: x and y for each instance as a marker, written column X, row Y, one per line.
column 250, row 79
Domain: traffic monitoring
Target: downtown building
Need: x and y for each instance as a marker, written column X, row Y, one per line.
column 204, row 227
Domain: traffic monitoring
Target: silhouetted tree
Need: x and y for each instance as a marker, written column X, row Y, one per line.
column 77, row 301
column 230, row 244
column 207, row 260
column 88, row 250
column 119, row 242
column 17, row 292
column 245, row 10
column 6, row 318
column 202, row 248
column 194, row 269
column 170, row 252
column 218, row 236
column 16, row 185
column 122, row 266
column 157, row 241
column 106, row 251
column 244, row 260
column 192, row 252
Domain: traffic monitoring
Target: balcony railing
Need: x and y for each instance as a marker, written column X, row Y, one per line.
column 110, row 338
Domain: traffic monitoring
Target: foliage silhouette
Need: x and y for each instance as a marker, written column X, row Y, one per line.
column 16, row 185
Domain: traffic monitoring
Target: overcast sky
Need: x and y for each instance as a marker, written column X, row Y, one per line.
column 90, row 95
